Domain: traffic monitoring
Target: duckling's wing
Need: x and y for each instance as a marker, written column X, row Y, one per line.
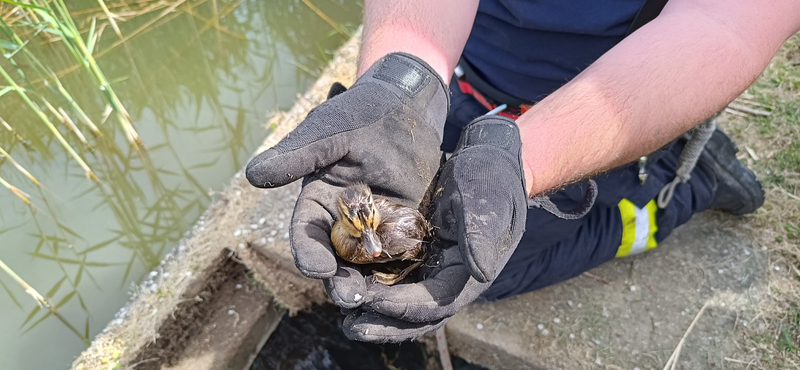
column 402, row 231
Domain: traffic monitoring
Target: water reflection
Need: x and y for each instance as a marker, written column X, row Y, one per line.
column 198, row 83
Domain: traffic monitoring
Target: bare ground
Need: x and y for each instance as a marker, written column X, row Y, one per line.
column 770, row 145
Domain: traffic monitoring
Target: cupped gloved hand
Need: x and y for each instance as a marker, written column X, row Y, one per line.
column 479, row 217
column 385, row 131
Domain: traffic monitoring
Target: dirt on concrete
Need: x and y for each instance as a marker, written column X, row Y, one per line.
column 637, row 319
column 212, row 321
column 286, row 288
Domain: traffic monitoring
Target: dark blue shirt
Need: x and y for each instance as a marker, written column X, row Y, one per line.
column 529, row 49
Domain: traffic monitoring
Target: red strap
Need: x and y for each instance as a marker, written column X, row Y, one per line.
column 466, row 88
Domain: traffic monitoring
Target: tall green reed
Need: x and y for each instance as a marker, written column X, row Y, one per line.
column 44, row 302
column 26, row 75
column 49, row 21
column 57, row 21
column 148, row 217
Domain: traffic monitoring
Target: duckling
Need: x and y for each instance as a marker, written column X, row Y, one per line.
column 376, row 230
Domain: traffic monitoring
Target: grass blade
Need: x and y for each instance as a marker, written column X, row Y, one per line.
column 128, row 270
column 37, row 322
column 99, row 245
column 81, row 114
column 79, row 274
column 44, row 303
column 49, row 125
column 90, row 38
column 56, row 287
column 19, row 193
column 16, row 165
column 326, row 18
column 28, row 289
column 66, row 299
column 31, row 315
column 111, row 17
column 10, row 294
column 71, row 261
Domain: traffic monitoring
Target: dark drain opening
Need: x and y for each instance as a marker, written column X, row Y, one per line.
column 314, row 341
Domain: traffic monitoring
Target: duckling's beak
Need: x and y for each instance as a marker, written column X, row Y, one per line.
column 371, row 242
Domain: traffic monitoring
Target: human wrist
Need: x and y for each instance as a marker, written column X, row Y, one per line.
column 376, row 46
column 438, row 64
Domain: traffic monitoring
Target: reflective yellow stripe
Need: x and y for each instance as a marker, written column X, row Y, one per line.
column 628, row 213
column 638, row 228
column 651, row 239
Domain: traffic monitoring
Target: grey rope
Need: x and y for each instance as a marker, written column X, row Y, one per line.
column 544, row 202
column 698, row 137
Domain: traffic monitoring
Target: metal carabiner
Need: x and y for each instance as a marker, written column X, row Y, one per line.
column 643, row 169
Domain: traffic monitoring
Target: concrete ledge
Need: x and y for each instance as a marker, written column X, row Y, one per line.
column 222, row 327
column 634, row 321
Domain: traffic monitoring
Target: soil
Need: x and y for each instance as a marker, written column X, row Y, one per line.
column 636, row 318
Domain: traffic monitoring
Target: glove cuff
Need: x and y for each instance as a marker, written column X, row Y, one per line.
column 497, row 131
column 413, row 79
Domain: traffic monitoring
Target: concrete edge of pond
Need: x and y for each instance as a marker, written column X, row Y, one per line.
column 216, row 297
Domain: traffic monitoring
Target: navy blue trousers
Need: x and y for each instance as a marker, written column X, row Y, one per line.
column 623, row 221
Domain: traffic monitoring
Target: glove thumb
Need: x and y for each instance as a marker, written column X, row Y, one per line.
column 491, row 195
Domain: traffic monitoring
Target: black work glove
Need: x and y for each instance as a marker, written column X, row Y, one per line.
column 385, row 131
column 479, row 217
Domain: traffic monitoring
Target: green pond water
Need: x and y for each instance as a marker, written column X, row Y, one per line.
column 199, row 84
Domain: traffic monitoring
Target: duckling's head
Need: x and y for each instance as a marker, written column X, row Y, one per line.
column 360, row 218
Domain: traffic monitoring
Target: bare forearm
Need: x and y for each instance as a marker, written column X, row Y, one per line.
column 650, row 88
column 434, row 31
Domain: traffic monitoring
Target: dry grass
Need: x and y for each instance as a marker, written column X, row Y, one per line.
column 770, row 145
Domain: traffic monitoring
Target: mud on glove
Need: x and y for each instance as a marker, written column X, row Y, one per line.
column 479, row 215
column 385, row 131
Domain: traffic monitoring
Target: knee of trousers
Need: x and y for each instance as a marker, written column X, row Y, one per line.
column 537, row 262
column 554, row 250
